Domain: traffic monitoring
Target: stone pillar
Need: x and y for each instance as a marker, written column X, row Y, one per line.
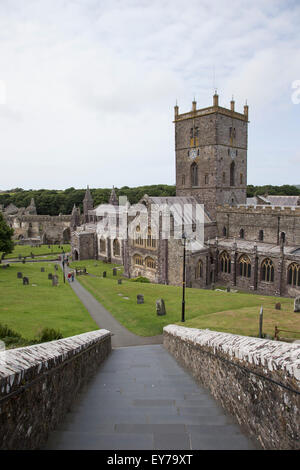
column 233, row 263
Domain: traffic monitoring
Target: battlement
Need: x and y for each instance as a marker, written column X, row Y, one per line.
column 259, row 209
column 211, row 110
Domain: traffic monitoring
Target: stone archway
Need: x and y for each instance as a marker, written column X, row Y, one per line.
column 75, row 255
column 66, row 235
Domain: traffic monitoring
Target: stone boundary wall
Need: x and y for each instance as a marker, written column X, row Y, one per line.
column 256, row 380
column 39, row 383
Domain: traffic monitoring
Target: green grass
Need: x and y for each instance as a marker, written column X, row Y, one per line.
column 29, row 309
column 26, row 250
column 222, row 311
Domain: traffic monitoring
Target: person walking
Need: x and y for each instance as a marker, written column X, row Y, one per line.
column 69, row 277
column 72, row 276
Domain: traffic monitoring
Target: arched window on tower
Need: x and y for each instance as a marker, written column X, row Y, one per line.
column 242, row 233
column 224, row 232
column 232, row 171
column 194, row 174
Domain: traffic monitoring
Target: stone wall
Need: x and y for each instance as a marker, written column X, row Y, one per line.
column 39, row 383
column 252, row 219
column 256, row 380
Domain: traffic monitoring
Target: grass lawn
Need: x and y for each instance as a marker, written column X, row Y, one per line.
column 29, row 309
column 26, row 250
column 222, row 311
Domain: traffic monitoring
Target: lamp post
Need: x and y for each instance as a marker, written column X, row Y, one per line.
column 183, row 280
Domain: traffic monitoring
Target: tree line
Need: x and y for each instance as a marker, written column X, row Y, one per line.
column 54, row 202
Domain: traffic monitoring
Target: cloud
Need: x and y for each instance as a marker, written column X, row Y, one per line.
column 90, row 86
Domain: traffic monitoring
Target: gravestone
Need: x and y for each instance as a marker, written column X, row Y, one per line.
column 55, row 267
column 119, row 281
column 104, row 274
column 297, row 304
column 278, row 306
column 19, row 275
column 228, row 288
column 212, row 286
column 140, row 299
column 55, row 280
column 160, row 307
column 42, row 270
column 50, row 276
column 23, row 261
column 25, row 281
column 114, row 271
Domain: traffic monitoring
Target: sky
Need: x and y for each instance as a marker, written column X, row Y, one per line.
column 88, row 87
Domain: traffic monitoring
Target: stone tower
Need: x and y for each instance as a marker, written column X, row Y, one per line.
column 211, row 154
column 87, row 204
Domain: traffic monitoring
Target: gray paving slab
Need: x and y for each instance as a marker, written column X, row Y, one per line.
column 117, row 411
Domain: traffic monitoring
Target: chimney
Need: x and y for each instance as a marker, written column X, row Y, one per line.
column 194, row 108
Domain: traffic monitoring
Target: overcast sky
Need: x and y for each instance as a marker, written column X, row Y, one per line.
column 87, row 87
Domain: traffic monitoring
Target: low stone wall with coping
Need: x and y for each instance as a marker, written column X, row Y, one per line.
column 39, row 383
column 256, row 380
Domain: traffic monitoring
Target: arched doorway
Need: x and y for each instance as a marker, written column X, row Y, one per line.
column 75, row 255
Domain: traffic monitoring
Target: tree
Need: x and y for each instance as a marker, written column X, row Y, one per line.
column 6, row 233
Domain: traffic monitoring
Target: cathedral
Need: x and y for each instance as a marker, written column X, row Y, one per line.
column 250, row 244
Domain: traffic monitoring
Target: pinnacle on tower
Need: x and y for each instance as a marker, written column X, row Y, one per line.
column 113, row 200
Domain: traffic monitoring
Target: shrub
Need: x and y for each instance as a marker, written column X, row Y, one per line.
column 49, row 334
column 6, row 332
column 140, row 279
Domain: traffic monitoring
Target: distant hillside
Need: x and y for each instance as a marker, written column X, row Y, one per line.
column 54, row 202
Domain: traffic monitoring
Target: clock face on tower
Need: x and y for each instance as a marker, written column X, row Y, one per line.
column 193, row 153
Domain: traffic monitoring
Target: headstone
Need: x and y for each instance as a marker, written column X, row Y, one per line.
column 55, row 280
column 278, row 306
column 114, row 271
column 42, row 270
column 297, row 304
column 50, row 276
column 160, row 307
column 19, row 275
column 25, row 281
column 104, row 273
column 212, row 286
column 140, row 299
column 228, row 288
column 55, row 267
column 23, row 261
column 119, row 281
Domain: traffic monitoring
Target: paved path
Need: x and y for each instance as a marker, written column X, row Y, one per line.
column 121, row 336
column 142, row 399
